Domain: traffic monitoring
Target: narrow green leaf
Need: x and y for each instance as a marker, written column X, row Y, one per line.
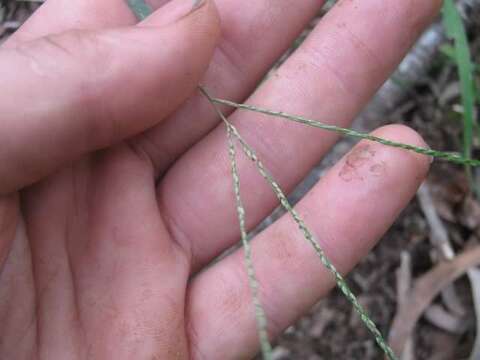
column 456, row 31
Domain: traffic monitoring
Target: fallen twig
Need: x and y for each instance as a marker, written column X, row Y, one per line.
column 425, row 289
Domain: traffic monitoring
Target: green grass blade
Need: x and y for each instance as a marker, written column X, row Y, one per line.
column 456, row 31
column 449, row 51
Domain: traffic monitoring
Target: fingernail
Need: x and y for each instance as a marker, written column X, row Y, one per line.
column 197, row 4
column 172, row 11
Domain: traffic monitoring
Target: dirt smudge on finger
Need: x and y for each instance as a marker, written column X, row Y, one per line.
column 361, row 163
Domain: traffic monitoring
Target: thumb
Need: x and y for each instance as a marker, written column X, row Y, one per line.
column 74, row 92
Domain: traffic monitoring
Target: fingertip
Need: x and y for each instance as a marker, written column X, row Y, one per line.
column 184, row 27
column 371, row 185
column 405, row 135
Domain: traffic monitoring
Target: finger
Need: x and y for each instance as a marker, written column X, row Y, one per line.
column 330, row 78
column 234, row 72
column 348, row 211
column 79, row 91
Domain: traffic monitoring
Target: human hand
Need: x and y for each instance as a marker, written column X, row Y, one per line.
column 115, row 179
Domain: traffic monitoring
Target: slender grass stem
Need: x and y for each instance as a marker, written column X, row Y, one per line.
column 447, row 156
column 253, row 282
column 262, row 324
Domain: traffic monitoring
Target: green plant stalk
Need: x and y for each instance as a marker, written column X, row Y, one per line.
column 456, row 31
column 261, row 319
column 447, row 156
column 260, row 316
column 340, row 281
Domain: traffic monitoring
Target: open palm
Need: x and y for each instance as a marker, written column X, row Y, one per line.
column 115, row 181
